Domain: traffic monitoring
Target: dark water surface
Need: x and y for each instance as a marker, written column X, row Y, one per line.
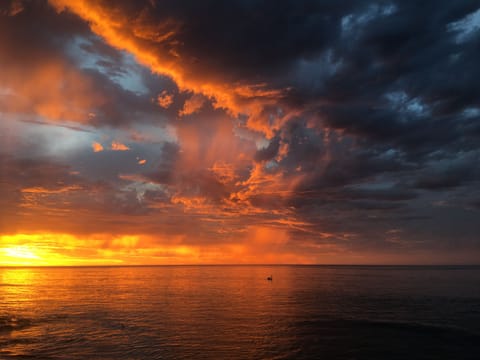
column 233, row 312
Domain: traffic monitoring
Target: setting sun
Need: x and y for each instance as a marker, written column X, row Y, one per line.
column 22, row 252
column 20, row 255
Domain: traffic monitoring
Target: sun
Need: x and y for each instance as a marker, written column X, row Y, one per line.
column 20, row 255
column 53, row 249
column 21, row 251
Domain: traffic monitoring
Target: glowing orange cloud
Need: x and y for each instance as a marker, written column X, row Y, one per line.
column 224, row 172
column 70, row 94
column 118, row 146
column 41, row 190
column 154, row 45
column 165, row 99
column 258, row 245
column 192, row 105
column 97, row 147
column 15, row 7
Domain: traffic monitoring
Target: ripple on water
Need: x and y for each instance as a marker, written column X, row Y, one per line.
column 10, row 323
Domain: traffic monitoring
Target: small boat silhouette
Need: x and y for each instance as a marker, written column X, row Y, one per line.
column 270, row 278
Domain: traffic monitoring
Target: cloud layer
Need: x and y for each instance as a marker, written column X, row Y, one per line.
column 286, row 131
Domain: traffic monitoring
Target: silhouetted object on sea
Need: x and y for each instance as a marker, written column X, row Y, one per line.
column 270, row 278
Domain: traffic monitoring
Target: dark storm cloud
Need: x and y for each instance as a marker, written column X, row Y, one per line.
column 403, row 90
column 164, row 169
column 399, row 77
column 254, row 39
column 35, row 32
column 246, row 38
column 412, row 59
column 268, row 152
column 378, row 46
column 476, row 204
column 386, row 71
column 453, row 175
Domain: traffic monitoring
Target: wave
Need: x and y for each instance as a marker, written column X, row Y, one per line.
column 385, row 339
column 12, row 323
column 422, row 327
column 411, row 327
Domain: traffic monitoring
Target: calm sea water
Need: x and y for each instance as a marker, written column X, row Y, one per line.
column 233, row 312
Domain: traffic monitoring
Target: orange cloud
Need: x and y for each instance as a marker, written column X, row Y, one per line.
column 192, row 105
column 42, row 190
column 16, row 7
column 97, row 147
column 165, row 99
column 118, row 146
column 224, row 172
column 70, row 96
column 257, row 245
column 155, row 45
column 142, row 162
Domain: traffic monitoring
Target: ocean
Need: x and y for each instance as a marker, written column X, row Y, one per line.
column 234, row 312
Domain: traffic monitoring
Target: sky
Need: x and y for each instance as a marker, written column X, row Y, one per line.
column 220, row 132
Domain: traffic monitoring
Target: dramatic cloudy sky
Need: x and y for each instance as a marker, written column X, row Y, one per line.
column 159, row 132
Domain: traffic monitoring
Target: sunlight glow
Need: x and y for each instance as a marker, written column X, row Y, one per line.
column 46, row 249
column 23, row 252
column 60, row 249
column 19, row 255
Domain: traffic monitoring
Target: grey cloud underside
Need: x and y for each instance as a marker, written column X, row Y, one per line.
column 33, row 197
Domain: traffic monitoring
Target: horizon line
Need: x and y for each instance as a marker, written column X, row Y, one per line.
column 233, row 264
